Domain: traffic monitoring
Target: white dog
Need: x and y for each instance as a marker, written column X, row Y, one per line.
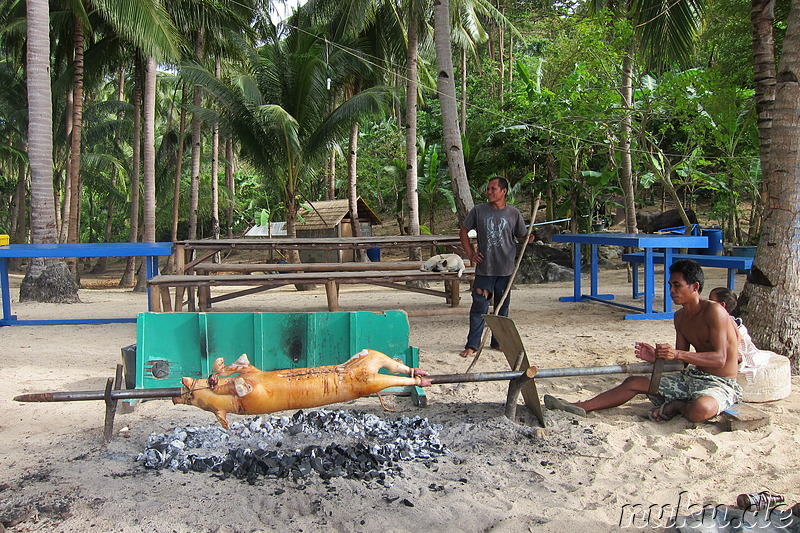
column 444, row 263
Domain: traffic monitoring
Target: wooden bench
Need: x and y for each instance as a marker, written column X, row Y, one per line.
column 394, row 279
column 714, row 261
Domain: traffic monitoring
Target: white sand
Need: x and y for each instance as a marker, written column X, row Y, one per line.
column 579, row 476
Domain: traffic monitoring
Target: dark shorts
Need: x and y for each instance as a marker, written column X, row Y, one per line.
column 690, row 384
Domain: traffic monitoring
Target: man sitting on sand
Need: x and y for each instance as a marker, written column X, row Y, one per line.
column 708, row 385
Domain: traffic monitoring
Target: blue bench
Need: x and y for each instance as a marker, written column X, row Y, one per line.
column 714, row 261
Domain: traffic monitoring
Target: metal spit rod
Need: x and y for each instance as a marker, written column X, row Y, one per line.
column 132, row 394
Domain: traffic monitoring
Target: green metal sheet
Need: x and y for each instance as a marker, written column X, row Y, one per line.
column 173, row 345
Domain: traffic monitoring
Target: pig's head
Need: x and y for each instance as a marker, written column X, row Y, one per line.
column 197, row 392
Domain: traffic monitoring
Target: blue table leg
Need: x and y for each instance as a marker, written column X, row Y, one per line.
column 594, row 273
column 667, row 264
column 8, row 318
column 649, row 288
column 731, row 278
column 151, row 266
column 635, row 280
column 576, row 284
column 649, row 280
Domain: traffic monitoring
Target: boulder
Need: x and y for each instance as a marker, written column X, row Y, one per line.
column 648, row 222
column 543, row 263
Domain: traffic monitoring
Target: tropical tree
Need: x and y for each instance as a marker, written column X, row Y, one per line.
column 277, row 107
column 663, row 33
column 769, row 299
column 47, row 280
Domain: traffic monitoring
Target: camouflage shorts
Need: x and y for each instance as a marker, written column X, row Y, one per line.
column 691, row 383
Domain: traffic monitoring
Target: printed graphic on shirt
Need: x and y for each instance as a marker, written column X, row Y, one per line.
column 495, row 228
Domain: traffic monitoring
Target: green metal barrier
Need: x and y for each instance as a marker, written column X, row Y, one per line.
column 170, row 346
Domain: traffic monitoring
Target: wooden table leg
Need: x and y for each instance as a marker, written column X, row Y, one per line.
column 332, row 292
column 191, row 301
column 202, row 298
column 166, row 301
column 155, row 298
column 453, row 290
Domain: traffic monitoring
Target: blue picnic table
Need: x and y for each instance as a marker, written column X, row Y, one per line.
column 150, row 251
column 648, row 242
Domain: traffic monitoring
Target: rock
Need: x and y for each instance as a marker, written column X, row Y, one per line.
column 649, row 222
column 556, row 272
column 535, row 266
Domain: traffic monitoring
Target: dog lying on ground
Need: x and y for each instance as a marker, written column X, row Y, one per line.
column 444, row 263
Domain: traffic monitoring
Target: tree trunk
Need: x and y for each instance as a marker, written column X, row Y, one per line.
column 463, row 90
column 771, row 297
column 19, row 216
column 75, row 141
column 176, row 199
column 194, row 186
column 626, row 164
column 230, row 183
column 762, row 20
column 63, row 210
column 412, row 88
column 215, row 169
column 102, row 262
column 149, row 164
column 447, row 100
column 130, row 266
column 501, row 49
column 47, row 280
column 352, row 189
column 149, row 222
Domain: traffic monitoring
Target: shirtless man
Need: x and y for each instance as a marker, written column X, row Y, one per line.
column 698, row 392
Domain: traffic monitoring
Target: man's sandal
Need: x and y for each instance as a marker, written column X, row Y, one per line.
column 657, row 414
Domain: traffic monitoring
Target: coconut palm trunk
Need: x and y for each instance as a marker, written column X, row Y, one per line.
column 127, row 276
column 412, row 87
column 449, row 106
column 626, row 163
column 771, row 297
column 47, row 280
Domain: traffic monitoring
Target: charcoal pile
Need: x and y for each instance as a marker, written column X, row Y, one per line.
column 347, row 444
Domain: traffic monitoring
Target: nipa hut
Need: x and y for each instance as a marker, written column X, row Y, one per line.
column 331, row 218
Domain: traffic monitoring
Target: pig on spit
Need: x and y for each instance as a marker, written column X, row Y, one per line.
column 255, row 392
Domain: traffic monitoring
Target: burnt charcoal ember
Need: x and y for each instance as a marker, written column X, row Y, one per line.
column 347, row 444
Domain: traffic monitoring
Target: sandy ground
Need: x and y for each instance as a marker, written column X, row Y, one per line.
column 577, row 475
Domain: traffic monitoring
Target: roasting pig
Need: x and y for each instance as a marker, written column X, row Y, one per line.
column 255, row 392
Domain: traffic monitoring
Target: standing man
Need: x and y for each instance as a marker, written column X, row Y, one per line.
column 708, row 385
column 496, row 224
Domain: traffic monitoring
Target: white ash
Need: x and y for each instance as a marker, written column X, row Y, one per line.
column 344, row 443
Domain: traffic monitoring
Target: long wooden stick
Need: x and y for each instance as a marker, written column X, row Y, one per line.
column 499, row 306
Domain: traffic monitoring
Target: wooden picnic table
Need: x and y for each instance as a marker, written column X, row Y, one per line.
column 192, row 252
column 195, row 271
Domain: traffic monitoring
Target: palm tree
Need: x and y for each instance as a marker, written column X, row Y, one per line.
column 277, row 108
column 769, row 300
column 47, row 280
